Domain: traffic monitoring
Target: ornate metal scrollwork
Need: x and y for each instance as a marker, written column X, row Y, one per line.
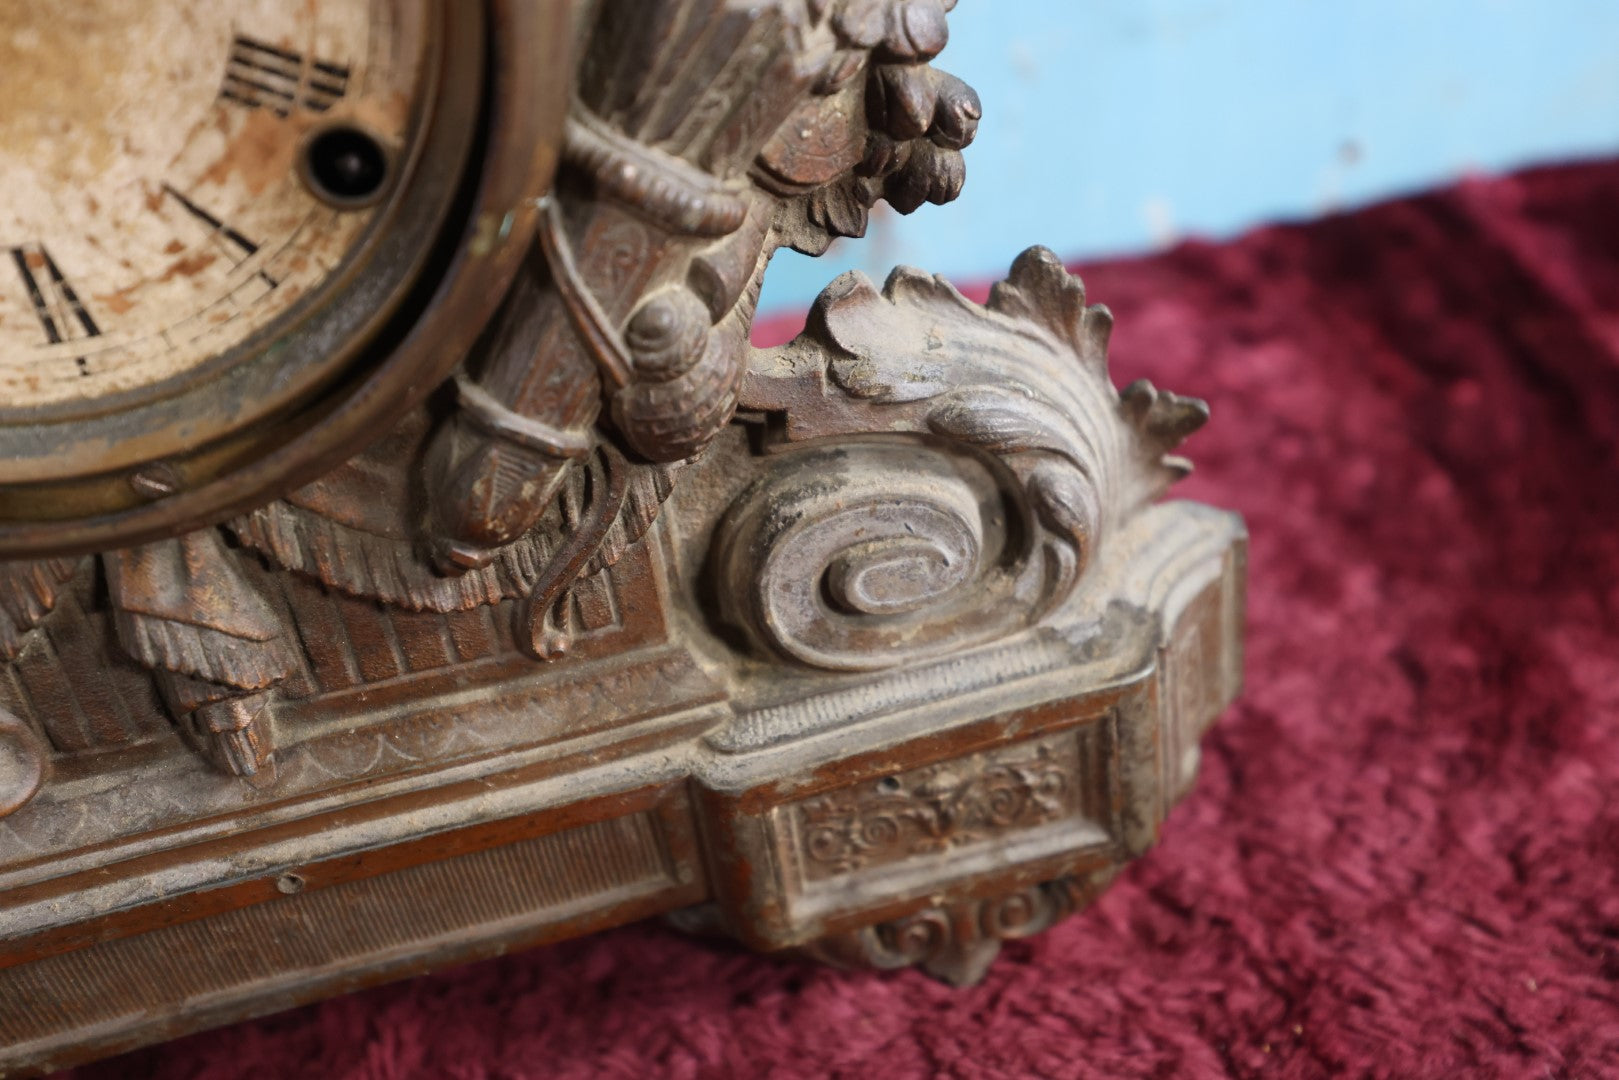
column 1017, row 458
column 957, row 942
column 931, row 810
column 922, row 475
column 862, row 556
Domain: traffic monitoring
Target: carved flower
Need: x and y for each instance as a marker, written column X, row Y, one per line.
column 840, row 209
column 918, row 120
column 908, row 31
column 906, row 174
column 909, row 102
column 956, row 112
column 929, row 174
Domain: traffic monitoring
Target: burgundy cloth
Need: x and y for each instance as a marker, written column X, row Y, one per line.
column 1400, row 859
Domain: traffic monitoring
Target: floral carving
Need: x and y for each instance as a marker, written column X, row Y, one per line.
column 904, row 30
column 897, row 134
column 938, row 807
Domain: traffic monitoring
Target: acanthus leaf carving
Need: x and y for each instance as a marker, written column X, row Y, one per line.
column 996, row 419
column 1022, row 379
column 1029, row 365
column 1164, row 421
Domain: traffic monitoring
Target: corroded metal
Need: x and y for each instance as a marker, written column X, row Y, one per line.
column 556, row 603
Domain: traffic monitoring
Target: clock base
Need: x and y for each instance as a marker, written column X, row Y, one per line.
column 918, row 816
column 576, row 608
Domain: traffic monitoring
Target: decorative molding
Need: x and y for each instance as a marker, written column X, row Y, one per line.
column 544, row 881
column 812, row 713
column 147, row 806
column 957, row 942
column 933, row 809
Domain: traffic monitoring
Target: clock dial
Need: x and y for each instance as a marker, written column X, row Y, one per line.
column 239, row 239
column 176, row 177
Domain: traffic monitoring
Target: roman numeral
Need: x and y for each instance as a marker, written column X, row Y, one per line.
column 232, row 238
column 55, row 301
column 263, row 76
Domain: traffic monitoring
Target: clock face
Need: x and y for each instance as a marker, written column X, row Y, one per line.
column 240, row 238
column 177, row 177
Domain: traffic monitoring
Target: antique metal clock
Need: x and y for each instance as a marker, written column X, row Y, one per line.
column 405, row 556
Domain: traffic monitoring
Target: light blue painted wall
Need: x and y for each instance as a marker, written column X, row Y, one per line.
column 1118, row 126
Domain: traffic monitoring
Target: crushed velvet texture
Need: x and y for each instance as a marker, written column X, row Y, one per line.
column 1402, row 858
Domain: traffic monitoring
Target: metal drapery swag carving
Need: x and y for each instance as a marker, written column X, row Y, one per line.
column 876, row 645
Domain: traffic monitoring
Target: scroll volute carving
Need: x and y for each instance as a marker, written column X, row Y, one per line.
column 957, row 942
column 1011, row 457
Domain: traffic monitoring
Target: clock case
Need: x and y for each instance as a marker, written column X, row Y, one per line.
column 876, row 646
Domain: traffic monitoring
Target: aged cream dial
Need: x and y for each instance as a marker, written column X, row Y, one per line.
column 174, row 177
column 239, row 239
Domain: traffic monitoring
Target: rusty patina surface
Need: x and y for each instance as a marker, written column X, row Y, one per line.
column 554, row 603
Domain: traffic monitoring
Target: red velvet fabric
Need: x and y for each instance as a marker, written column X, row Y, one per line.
column 1401, row 857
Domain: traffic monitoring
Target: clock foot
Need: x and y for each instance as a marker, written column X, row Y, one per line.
column 956, row 943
